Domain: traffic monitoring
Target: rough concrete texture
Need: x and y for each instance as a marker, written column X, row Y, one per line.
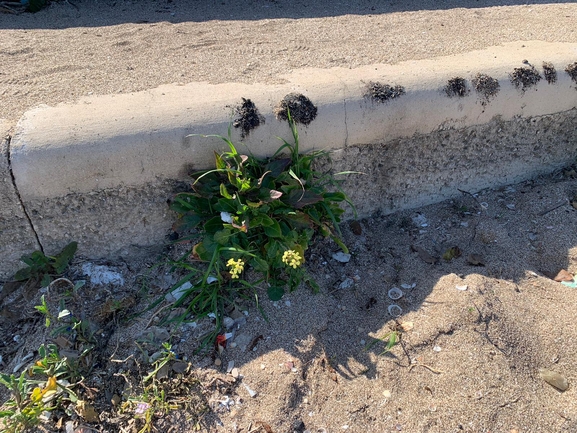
column 96, row 170
column 125, row 222
column 424, row 169
column 16, row 235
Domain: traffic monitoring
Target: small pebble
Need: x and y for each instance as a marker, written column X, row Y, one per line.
column 437, row 349
column 387, row 393
column 235, row 373
column 217, row 362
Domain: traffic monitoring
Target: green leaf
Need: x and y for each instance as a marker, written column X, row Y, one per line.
column 188, row 221
column 299, row 199
column 273, row 230
column 298, row 220
column 223, row 236
column 219, row 162
column 275, row 293
column 261, row 220
column 277, row 166
column 260, row 265
column 224, row 192
column 23, row 274
column 63, row 259
column 334, row 196
column 185, row 202
column 46, row 280
column 272, row 249
column 213, row 225
column 226, row 205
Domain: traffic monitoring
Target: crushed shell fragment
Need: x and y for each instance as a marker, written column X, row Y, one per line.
column 395, row 310
column 395, row 293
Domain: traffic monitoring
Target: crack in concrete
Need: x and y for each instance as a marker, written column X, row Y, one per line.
column 346, row 124
column 24, row 210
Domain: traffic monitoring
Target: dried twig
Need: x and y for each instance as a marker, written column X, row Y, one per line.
column 428, row 367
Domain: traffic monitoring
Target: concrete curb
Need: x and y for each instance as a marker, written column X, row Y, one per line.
column 100, row 171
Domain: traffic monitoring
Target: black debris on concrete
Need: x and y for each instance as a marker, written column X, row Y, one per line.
column 248, row 117
column 301, row 109
column 549, row 72
column 456, row 87
column 382, row 93
column 525, row 77
column 486, row 86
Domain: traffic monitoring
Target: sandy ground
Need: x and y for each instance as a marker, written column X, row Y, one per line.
column 468, row 359
column 77, row 48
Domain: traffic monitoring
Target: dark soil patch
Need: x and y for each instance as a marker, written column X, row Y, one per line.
column 456, row 87
column 248, row 118
column 550, row 72
column 525, row 77
column 301, row 109
column 572, row 71
column 382, row 93
column 486, row 86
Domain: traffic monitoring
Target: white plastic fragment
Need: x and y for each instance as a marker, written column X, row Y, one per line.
column 462, row 288
column 251, row 392
column 178, row 293
column 437, row 348
column 101, row 275
column 408, row 286
column 226, row 217
column 342, row 257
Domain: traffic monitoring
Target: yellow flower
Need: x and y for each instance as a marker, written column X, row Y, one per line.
column 50, row 388
column 292, row 258
column 236, row 267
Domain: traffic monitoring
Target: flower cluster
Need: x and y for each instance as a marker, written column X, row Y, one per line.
column 236, row 267
column 292, row 258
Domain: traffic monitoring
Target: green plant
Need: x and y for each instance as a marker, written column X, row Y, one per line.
column 390, row 338
column 165, row 356
column 157, row 396
column 254, row 213
column 30, row 397
column 43, row 268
